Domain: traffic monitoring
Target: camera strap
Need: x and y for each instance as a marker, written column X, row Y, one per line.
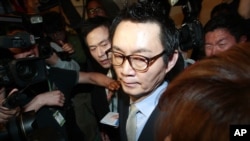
column 56, row 113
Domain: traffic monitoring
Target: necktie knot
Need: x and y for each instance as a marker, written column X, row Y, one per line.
column 133, row 109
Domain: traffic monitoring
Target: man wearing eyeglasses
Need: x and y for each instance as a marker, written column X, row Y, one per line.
column 94, row 8
column 144, row 50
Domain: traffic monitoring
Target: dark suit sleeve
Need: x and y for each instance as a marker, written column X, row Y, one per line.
column 64, row 80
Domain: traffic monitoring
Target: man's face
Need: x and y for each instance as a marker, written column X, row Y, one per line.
column 95, row 9
column 32, row 6
column 58, row 36
column 218, row 41
column 139, row 39
column 98, row 43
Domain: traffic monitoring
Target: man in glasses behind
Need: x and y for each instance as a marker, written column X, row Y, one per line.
column 94, row 8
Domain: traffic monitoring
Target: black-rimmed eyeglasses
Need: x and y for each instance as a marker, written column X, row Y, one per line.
column 92, row 11
column 137, row 62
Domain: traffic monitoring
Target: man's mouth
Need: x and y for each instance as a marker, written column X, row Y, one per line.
column 106, row 61
column 129, row 83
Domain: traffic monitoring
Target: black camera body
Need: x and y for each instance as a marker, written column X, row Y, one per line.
column 19, row 128
column 25, row 71
column 191, row 34
column 21, row 73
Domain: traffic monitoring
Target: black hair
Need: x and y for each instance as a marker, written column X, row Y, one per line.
column 92, row 23
column 235, row 24
column 223, row 8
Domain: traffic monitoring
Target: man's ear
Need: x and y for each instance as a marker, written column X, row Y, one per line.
column 172, row 61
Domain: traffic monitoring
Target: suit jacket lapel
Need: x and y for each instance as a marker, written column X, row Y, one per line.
column 148, row 131
column 123, row 108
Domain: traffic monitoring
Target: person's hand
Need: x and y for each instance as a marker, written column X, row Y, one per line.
column 104, row 136
column 6, row 113
column 67, row 47
column 113, row 86
column 51, row 98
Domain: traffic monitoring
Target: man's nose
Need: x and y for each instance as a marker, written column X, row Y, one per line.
column 100, row 51
column 213, row 50
column 127, row 68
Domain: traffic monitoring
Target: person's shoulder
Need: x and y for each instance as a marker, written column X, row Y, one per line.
column 189, row 62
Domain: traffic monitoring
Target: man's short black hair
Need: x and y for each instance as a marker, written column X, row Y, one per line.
column 92, row 23
column 234, row 24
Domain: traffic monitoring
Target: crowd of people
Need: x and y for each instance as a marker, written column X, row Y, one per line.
column 124, row 78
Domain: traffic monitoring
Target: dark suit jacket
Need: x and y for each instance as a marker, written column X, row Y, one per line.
column 101, row 108
column 148, row 131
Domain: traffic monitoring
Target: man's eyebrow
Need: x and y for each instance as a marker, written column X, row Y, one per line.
column 222, row 39
column 105, row 40
column 140, row 50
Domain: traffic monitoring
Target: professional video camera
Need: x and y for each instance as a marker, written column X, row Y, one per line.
column 21, row 73
column 191, row 31
column 26, row 70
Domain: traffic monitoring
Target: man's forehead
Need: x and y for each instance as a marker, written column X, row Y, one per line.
column 94, row 4
column 137, row 35
column 128, row 25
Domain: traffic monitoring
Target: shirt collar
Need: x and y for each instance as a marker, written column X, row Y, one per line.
column 147, row 105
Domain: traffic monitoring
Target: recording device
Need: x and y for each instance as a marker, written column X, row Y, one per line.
column 19, row 128
column 21, row 73
column 191, row 34
column 24, row 71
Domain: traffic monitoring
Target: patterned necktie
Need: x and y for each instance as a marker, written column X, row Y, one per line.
column 131, row 123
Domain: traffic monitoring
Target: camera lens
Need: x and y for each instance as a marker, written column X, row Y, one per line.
column 26, row 70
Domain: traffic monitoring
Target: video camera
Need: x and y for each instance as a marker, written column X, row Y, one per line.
column 21, row 73
column 191, row 31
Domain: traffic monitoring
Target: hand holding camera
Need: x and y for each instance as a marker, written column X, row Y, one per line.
column 5, row 112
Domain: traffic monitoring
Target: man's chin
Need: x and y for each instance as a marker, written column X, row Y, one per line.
column 132, row 91
column 136, row 96
column 106, row 66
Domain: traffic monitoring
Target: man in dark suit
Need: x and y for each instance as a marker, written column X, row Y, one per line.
column 95, row 32
column 144, row 49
